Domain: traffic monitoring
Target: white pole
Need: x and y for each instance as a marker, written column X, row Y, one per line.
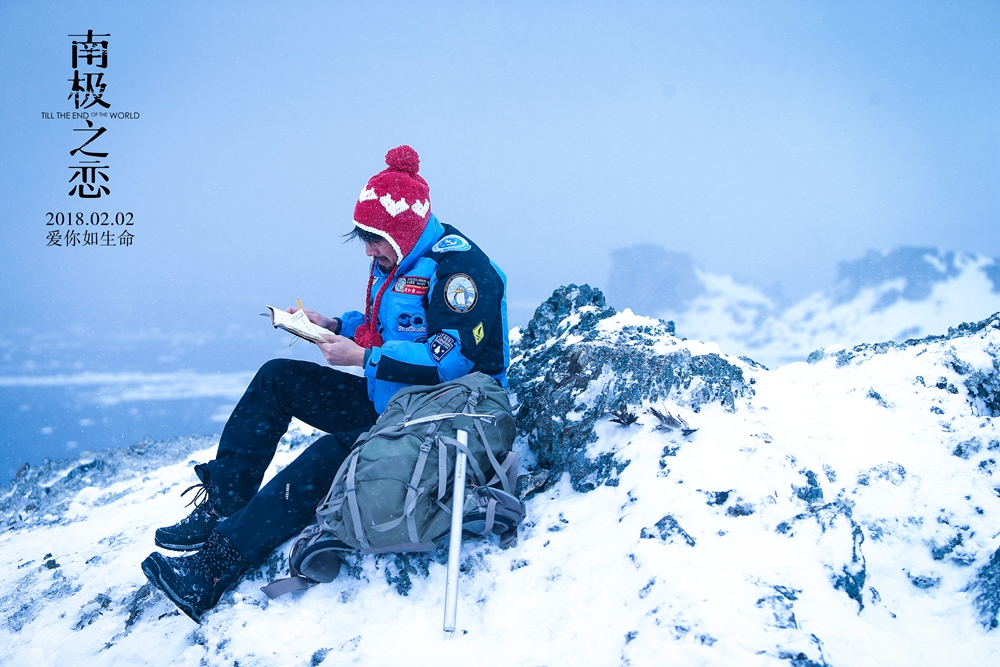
column 455, row 545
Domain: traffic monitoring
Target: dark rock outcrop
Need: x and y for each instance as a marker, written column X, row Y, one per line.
column 667, row 530
column 986, row 590
column 568, row 372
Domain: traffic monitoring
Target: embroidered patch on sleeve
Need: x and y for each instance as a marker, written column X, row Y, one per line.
column 478, row 334
column 441, row 345
column 461, row 293
column 451, row 243
column 412, row 285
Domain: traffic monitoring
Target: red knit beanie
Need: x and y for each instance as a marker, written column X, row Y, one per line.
column 395, row 204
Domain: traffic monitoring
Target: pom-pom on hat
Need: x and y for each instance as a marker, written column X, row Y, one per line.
column 396, row 202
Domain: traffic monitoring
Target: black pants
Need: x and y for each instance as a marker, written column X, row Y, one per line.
column 320, row 396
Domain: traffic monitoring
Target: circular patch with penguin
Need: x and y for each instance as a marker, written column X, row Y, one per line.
column 460, row 293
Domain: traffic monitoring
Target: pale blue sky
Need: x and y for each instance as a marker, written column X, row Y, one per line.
column 768, row 140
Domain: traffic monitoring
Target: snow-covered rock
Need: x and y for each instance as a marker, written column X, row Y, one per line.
column 577, row 361
column 897, row 294
column 844, row 511
column 903, row 294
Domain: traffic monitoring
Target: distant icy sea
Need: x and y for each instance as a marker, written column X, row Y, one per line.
column 52, row 416
column 94, row 391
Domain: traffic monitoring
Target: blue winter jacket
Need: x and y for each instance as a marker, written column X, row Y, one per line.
column 444, row 316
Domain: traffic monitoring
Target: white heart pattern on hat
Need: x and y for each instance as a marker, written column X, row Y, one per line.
column 367, row 194
column 420, row 208
column 391, row 206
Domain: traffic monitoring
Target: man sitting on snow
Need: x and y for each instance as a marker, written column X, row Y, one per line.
column 435, row 310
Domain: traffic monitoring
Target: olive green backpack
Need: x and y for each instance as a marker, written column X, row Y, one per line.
column 393, row 493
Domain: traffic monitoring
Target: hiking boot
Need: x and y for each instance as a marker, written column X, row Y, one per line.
column 195, row 583
column 191, row 532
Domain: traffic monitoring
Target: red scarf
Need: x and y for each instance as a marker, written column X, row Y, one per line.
column 367, row 334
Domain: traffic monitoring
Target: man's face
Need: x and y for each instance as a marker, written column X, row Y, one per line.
column 383, row 253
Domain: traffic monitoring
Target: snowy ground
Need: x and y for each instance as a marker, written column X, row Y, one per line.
column 837, row 517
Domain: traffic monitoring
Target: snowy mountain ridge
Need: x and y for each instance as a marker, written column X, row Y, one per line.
column 844, row 511
column 902, row 293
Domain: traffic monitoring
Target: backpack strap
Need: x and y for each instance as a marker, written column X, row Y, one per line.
column 412, row 492
column 491, row 513
column 401, row 548
column 352, row 500
column 502, row 473
column 440, row 417
column 431, row 418
column 508, row 538
column 442, row 474
column 334, row 500
column 279, row 587
column 509, row 465
column 452, row 442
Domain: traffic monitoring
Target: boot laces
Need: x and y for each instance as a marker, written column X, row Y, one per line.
column 204, row 498
column 219, row 560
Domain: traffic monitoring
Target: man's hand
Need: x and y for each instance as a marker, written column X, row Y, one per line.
column 320, row 320
column 340, row 351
